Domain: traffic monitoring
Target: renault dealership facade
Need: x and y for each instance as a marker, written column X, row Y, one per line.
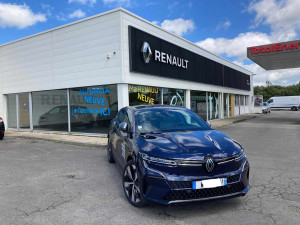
column 74, row 78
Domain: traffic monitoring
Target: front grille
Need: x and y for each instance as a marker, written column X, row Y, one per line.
column 189, row 184
column 204, row 193
column 234, row 178
column 181, row 184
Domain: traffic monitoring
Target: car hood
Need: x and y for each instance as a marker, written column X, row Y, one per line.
column 188, row 145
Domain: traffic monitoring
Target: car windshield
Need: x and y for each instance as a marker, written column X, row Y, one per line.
column 158, row 120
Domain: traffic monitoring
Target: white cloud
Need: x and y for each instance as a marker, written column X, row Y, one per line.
column 77, row 14
column 284, row 21
column 20, row 16
column 280, row 77
column 47, row 8
column 224, row 24
column 83, row 2
column 155, row 22
column 282, row 16
column 236, row 47
column 125, row 3
column 61, row 16
column 178, row 26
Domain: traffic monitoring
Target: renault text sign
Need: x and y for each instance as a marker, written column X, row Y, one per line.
column 170, row 59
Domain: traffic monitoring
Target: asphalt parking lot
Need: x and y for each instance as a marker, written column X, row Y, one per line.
column 50, row 183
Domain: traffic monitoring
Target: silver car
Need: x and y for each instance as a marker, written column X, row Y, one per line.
column 266, row 108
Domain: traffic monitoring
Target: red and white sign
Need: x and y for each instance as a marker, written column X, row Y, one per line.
column 278, row 47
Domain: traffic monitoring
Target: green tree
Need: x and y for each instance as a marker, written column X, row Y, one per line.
column 277, row 90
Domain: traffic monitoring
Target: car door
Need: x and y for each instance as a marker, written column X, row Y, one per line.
column 121, row 138
column 116, row 136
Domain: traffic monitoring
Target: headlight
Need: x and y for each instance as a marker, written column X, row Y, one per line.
column 237, row 144
column 240, row 156
column 158, row 160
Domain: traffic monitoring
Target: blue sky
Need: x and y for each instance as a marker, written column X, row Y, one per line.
column 224, row 27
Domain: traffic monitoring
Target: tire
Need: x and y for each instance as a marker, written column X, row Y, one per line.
column 1, row 136
column 132, row 185
column 110, row 156
column 294, row 108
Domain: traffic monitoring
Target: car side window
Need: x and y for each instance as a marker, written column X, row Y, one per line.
column 121, row 115
column 63, row 109
column 270, row 101
column 54, row 111
column 128, row 119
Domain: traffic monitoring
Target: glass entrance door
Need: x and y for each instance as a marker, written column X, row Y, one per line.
column 24, row 119
column 225, row 103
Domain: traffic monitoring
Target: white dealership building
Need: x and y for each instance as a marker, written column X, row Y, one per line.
column 75, row 77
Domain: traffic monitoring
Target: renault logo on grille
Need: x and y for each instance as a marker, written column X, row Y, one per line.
column 146, row 52
column 209, row 164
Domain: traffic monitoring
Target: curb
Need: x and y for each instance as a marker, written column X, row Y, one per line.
column 229, row 123
column 62, row 141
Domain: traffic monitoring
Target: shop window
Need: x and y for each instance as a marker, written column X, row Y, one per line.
column 213, row 105
column 11, row 111
column 237, row 100
column 144, row 95
column 225, row 104
column 198, row 103
column 246, row 100
column 173, row 97
column 50, row 110
column 92, row 108
column 242, row 100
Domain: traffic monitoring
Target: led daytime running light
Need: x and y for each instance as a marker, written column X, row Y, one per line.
column 158, row 160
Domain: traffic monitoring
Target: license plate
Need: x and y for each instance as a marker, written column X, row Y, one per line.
column 211, row 183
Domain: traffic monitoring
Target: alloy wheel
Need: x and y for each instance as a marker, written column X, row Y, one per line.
column 131, row 184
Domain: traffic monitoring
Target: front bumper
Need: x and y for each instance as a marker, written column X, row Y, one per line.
column 167, row 189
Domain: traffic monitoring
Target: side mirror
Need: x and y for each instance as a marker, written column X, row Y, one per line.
column 123, row 127
column 208, row 123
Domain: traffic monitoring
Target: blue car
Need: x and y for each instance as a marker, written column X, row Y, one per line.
column 169, row 155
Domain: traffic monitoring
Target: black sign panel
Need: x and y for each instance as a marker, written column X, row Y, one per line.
column 198, row 68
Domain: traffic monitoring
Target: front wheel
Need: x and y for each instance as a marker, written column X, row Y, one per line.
column 132, row 185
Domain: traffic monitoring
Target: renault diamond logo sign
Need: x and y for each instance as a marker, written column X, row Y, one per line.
column 209, row 164
column 146, row 52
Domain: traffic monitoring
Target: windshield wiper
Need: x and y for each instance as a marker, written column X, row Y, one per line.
column 151, row 132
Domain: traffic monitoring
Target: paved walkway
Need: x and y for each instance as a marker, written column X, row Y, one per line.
column 102, row 141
